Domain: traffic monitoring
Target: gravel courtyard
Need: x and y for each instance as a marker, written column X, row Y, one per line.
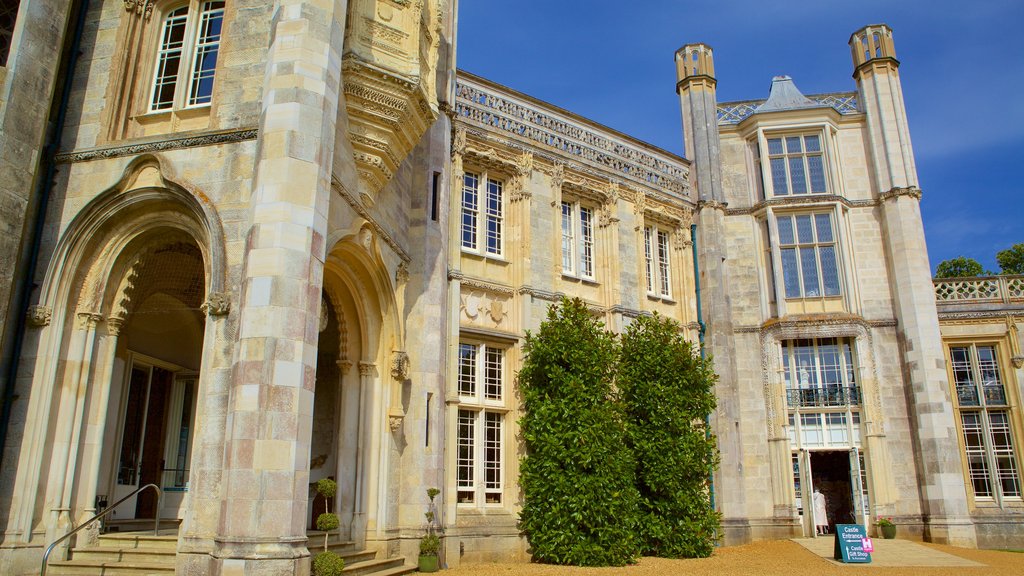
column 782, row 558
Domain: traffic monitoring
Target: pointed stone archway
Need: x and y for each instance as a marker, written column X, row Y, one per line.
column 134, row 269
column 361, row 330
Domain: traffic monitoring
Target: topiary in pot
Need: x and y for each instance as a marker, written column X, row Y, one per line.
column 430, row 543
column 327, row 521
column 328, row 564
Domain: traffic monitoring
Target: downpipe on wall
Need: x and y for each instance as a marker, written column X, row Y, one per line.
column 701, row 328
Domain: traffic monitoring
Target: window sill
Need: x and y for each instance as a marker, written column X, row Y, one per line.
column 661, row 298
column 488, row 257
column 570, row 277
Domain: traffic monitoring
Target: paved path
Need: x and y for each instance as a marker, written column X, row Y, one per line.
column 890, row 553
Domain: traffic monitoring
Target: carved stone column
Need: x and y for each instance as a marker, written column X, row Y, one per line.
column 95, row 428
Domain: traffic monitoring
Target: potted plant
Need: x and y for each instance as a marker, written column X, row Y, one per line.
column 327, row 563
column 430, row 543
column 887, row 528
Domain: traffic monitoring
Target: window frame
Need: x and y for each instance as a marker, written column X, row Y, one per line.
column 579, row 245
column 800, row 248
column 475, row 413
column 657, row 252
column 979, row 440
column 194, row 41
column 483, row 215
column 766, row 156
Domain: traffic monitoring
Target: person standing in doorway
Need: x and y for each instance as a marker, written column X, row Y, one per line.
column 820, row 512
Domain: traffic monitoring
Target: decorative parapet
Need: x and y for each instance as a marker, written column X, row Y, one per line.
column 486, row 105
column 980, row 290
column 736, row 112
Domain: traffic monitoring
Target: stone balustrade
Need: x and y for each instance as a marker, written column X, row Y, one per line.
column 482, row 103
column 979, row 290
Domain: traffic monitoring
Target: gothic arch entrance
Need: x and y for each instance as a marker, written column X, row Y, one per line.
column 352, row 395
column 118, row 352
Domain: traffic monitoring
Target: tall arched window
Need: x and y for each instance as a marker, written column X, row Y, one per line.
column 187, row 56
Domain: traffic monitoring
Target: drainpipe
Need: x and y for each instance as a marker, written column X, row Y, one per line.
column 701, row 328
column 44, row 186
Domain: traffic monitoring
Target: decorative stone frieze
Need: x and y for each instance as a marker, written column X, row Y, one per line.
column 39, row 316
column 217, row 304
column 226, row 137
column 476, row 101
column 802, row 200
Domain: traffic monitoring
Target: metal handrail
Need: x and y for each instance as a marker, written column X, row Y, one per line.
column 107, row 510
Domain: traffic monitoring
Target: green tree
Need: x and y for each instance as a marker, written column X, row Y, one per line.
column 959, row 267
column 667, row 390
column 1011, row 260
column 577, row 477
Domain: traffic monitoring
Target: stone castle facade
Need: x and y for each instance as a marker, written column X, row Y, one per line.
column 256, row 244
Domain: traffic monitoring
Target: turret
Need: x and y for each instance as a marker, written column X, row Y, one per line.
column 876, row 71
column 695, row 74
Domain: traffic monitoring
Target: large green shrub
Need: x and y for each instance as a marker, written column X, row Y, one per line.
column 580, row 503
column 667, row 391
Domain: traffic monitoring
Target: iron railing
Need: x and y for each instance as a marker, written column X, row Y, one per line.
column 104, row 512
column 822, row 396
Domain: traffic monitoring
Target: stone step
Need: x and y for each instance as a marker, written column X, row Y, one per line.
column 110, row 554
column 167, row 540
column 394, row 571
column 375, row 566
column 74, row 568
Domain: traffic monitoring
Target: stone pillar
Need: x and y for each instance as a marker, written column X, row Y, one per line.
column 69, row 424
column 203, row 505
column 696, row 89
column 95, row 427
column 269, row 423
column 938, row 456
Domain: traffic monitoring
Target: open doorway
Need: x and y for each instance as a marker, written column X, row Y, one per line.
column 830, row 472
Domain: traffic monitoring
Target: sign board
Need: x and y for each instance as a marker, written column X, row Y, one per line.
column 852, row 543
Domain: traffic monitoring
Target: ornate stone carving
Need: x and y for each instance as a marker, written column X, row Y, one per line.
column 911, row 191
column 389, row 82
column 458, row 141
column 395, row 421
column 400, row 365
column 712, row 204
column 39, row 316
column 114, row 325
column 87, row 320
column 141, row 7
column 344, row 366
column 483, row 308
column 365, row 215
column 367, row 368
column 217, row 304
column 681, row 237
column 557, row 178
column 402, row 273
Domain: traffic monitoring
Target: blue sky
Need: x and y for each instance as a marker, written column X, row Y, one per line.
column 962, row 70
